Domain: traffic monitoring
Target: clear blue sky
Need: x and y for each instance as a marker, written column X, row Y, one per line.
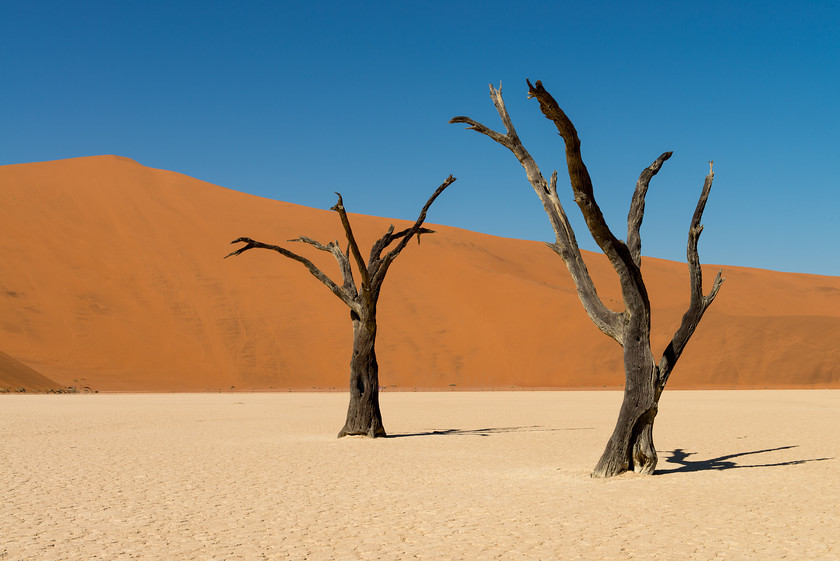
column 295, row 100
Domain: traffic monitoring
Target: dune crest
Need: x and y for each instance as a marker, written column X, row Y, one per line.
column 114, row 277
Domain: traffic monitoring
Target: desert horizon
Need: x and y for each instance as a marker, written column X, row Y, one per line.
column 115, row 281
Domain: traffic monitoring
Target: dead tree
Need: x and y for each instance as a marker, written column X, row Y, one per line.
column 631, row 445
column 363, row 414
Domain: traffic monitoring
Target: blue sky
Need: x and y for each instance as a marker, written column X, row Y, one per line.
column 296, row 100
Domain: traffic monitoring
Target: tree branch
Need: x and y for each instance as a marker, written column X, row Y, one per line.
column 345, row 297
column 343, row 262
column 354, row 247
column 615, row 250
column 637, row 208
column 699, row 303
column 405, row 235
column 389, row 237
column 566, row 244
column 381, row 244
column 478, row 127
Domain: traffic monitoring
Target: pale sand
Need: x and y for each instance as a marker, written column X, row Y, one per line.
column 262, row 476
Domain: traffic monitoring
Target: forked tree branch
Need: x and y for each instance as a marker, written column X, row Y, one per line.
column 343, row 262
column 416, row 227
column 381, row 243
column 380, row 266
column 699, row 303
column 372, row 274
column 345, row 296
column 566, row 245
column 389, row 237
column 354, row 247
column 615, row 250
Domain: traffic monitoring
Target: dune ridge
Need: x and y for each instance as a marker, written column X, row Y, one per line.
column 113, row 278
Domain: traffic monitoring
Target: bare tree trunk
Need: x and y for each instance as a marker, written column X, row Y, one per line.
column 631, row 445
column 363, row 414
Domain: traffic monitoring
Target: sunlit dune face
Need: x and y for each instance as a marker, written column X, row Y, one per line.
column 113, row 278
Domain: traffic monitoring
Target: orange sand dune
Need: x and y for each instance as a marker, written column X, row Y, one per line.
column 15, row 376
column 113, row 278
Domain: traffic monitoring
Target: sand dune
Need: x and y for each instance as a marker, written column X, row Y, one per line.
column 113, row 278
column 15, row 376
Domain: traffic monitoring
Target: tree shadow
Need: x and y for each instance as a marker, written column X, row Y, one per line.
column 482, row 432
column 679, row 456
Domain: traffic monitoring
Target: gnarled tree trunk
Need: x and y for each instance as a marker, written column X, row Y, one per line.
column 363, row 414
column 631, row 445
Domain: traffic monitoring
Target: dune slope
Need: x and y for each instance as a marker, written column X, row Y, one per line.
column 114, row 278
column 16, row 376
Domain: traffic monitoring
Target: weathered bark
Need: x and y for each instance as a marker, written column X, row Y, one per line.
column 631, row 445
column 363, row 414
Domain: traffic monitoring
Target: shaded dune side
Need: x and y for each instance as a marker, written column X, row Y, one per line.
column 16, row 376
column 115, row 278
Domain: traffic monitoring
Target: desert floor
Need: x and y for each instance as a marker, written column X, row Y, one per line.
column 473, row 476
